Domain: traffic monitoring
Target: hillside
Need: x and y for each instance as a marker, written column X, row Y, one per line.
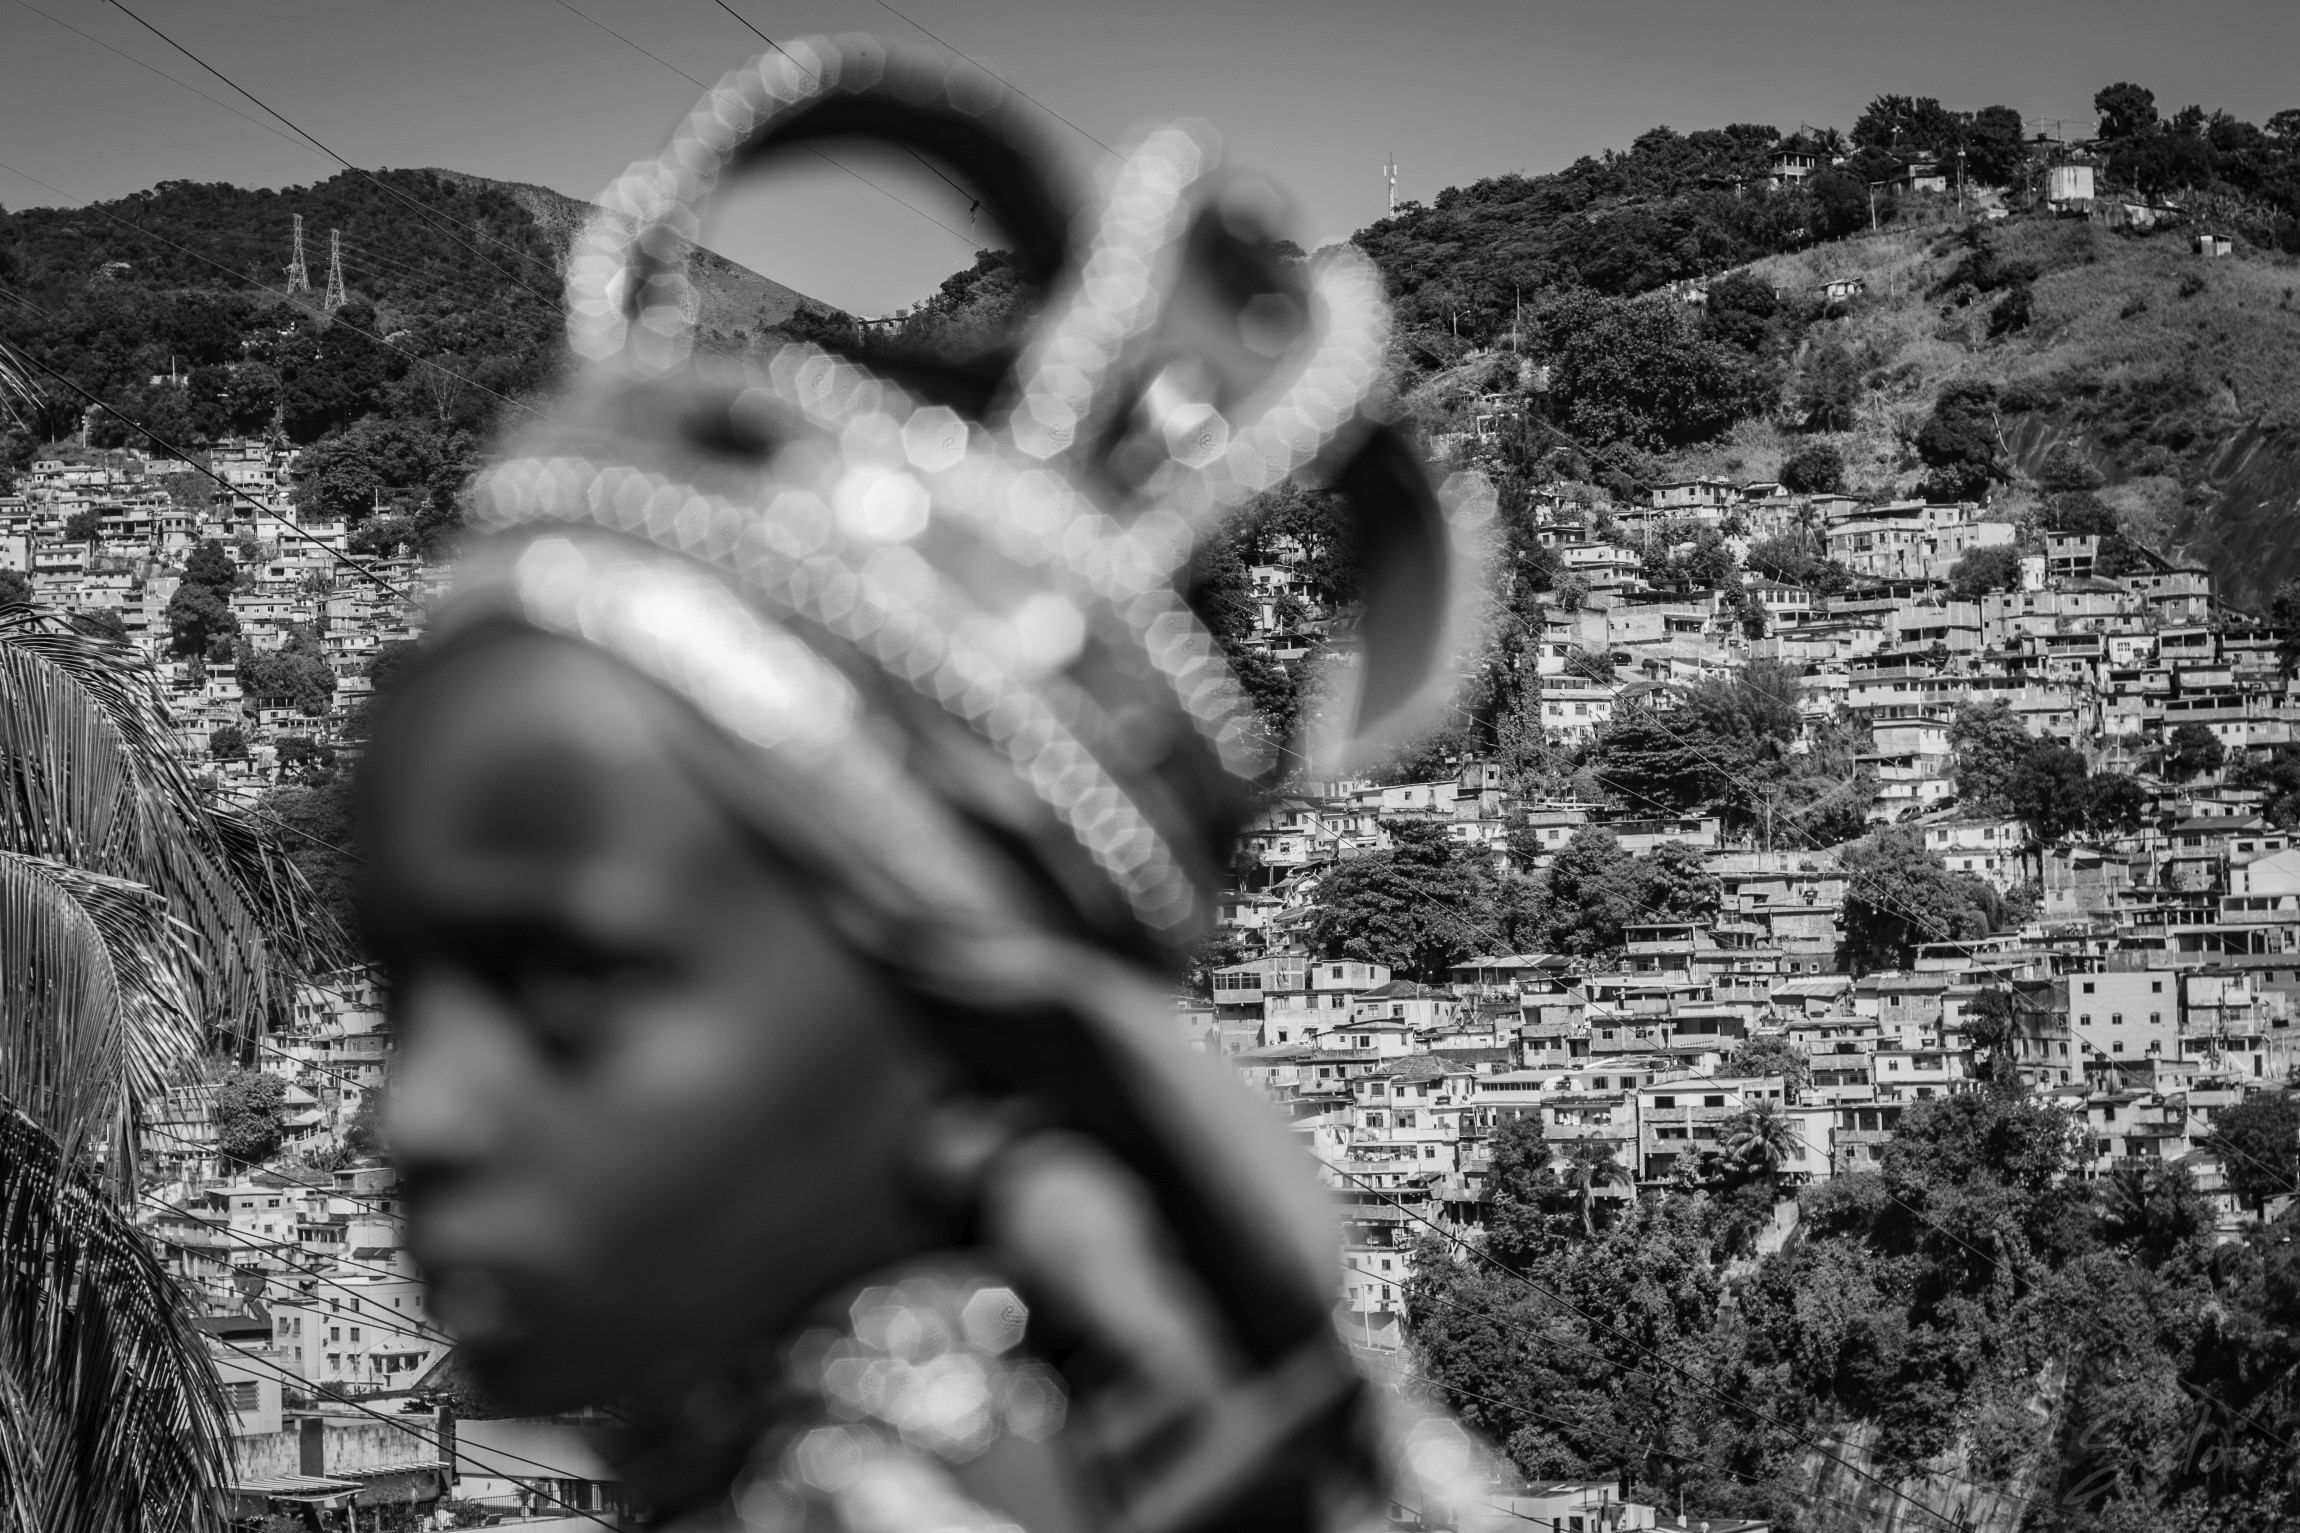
column 2177, row 377
column 172, row 306
column 2174, row 376
column 735, row 298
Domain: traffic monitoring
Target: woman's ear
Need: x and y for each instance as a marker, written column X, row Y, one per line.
column 1422, row 550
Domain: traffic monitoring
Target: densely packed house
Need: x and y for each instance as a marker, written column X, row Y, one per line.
column 2153, row 986
column 2151, row 989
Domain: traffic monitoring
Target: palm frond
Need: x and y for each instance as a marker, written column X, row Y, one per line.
column 95, row 1018
column 117, row 1418
column 20, row 393
column 89, row 775
column 20, row 1475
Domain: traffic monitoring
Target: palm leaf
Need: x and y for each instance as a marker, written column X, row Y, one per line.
column 116, row 1418
column 20, row 398
column 19, row 1460
column 94, row 1015
column 90, row 776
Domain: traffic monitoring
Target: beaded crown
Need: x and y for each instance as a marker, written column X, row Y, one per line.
column 938, row 603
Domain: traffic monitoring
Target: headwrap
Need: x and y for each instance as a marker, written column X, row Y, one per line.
column 932, row 605
column 952, row 637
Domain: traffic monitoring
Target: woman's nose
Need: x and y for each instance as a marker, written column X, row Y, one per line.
column 455, row 1093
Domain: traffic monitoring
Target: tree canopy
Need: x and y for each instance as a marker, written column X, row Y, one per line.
column 1420, row 907
column 1899, row 895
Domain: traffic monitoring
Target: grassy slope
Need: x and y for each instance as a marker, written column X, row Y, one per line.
column 2117, row 358
column 735, row 298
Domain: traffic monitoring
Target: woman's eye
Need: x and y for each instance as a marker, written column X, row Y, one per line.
column 570, row 1010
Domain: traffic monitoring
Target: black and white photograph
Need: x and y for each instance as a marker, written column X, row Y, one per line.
column 972, row 766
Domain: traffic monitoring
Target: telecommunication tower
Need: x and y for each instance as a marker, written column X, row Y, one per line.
column 334, row 299
column 1390, row 174
column 298, row 275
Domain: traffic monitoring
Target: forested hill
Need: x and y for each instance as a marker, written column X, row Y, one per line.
column 735, row 298
column 1829, row 324
column 1672, row 205
column 453, row 285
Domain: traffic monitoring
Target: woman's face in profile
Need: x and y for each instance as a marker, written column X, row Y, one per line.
column 647, row 1105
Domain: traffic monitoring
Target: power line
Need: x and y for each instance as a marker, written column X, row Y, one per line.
column 163, row 74
column 258, row 1243
column 436, row 1443
column 928, row 164
column 967, row 240
column 1001, row 79
column 174, row 451
column 298, row 830
column 430, row 215
column 280, row 293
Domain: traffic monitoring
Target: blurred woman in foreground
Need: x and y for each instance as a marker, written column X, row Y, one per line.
column 779, row 855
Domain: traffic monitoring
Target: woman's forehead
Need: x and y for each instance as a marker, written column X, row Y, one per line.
column 530, row 750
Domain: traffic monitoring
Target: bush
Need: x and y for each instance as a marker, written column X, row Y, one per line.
column 1796, row 561
column 2193, row 750
column 1959, row 442
column 2066, row 467
column 297, row 674
column 230, row 743
column 1815, row 470
column 2013, row 311
column 1643, row 374
column 1589, row 665
column 250, row 1116
column 1982, row 570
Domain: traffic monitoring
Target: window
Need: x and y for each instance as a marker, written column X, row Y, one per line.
column 2156, row 987
column 2088, row 987
column 355, row 1333
column 2116, row 1047
column 1712, row 1101
column 335, row 1333
column 241, row 1396
column 1665, row 1101
column 2116, row 1019
column 2086, row 1019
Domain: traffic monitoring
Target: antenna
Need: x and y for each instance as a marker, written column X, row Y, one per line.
column 1390, row 174
column 298, row 275
column 334, row 299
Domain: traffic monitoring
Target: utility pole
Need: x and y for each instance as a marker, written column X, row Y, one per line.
column 1390, row 174
column 334, row 299
column 298, row 275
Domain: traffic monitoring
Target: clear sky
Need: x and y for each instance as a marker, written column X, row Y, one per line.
column 1315, row 95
